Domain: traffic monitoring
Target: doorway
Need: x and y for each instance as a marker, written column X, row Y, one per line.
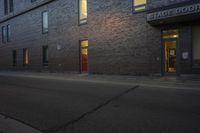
column 84, row 55
column 170, row 38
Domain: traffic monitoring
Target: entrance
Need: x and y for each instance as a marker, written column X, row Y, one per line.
column 170, row 38
column 170, row 56
column 84, row 55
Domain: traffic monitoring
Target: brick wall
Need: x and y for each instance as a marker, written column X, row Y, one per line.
column 120, row 41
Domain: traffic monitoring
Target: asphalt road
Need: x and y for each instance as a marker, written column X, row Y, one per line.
column 66, row 106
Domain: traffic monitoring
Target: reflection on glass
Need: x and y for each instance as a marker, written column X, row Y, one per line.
column 45, row 22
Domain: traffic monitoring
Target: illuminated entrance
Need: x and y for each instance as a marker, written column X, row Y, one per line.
column 170, row 52
column 84, row 55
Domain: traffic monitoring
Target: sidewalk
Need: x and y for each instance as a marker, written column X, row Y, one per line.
column 183, row 82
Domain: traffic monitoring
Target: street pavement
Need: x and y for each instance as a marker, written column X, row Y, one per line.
column 60, row 105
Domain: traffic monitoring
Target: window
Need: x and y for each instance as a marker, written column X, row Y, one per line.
column 82, row 11
column 45, row 56
column 3, row 34
column 45, row 22
column 8, row 33
column 8, row 6
column 33, row 0
column 139, row 5
column 25, row 57
column 196, row 45
column 11, row 5
column 5, row 7
column 14, row 53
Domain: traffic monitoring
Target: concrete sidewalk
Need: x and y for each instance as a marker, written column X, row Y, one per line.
column 181, row 82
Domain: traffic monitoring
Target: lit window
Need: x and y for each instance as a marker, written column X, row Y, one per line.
column 45, row 22
column 139, row 5
column 45, row 56
column 82, row 11
column 196, row 46
column 25, row 57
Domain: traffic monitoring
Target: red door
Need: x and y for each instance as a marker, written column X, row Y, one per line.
column 84, row 55
column 84, row 60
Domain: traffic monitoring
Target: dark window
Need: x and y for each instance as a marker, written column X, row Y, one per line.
column 14, row 57
column 11, row 5
column 82, row 11
column 45, row 56
column 3, row 34
column 33, row 0
column 5, row 7
column 45, row 22
column 8, row 33
column 25, row 57
column 8, row 6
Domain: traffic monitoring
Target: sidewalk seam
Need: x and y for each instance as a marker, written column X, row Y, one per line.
column 84, row 115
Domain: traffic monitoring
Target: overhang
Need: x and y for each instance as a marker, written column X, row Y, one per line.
column 180, row 13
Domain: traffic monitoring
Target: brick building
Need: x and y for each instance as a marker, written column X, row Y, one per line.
column 131, row 37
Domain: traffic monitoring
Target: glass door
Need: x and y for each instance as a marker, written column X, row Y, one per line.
column 170, row 56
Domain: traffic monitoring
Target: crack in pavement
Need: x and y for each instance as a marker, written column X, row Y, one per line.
column 56, row 129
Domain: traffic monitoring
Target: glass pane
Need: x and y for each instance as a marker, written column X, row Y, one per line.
column 84, row 43
column 45, row 21
column 167, row 34
column 83, row 10
column 139, row 2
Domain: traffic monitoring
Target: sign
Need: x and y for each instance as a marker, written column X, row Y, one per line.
column 58, row 47
column 185, row 55
column 179, row 11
